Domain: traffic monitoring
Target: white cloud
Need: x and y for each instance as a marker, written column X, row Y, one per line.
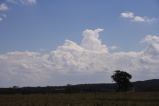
column 92, row 42
column 139, row 19
column 2, row 17
column 153, row 45
column 28, row 2
column 127, row 14
column 3, row 7
column 89, row 61
column 135, row 18
column 113, row 47
column 151, row 39
column 24, row 2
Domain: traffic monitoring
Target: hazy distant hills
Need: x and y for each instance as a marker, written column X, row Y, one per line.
column 148, row 85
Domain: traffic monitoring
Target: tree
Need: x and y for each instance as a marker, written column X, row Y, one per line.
column 122, row 79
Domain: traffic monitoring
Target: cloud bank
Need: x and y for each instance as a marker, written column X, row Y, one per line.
column 91, row 61
column 135, row 18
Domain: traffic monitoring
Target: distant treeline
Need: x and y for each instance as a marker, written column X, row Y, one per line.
column 59, row 89
column 149, row 85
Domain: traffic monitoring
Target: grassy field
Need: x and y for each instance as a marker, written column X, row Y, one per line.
column 82, row 99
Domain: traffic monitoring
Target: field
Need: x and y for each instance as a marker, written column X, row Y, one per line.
column 82, row 99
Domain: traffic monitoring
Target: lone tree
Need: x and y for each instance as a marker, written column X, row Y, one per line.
column 122, row 79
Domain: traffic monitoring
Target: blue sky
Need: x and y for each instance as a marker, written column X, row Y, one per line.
column 46, row 24
column 56, row 42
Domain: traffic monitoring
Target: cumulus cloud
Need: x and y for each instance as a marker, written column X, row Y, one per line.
column 127, row 14
column 90, row 61
column 92, row 42
column 153, row 45
column 3, row 7
column 136, row 18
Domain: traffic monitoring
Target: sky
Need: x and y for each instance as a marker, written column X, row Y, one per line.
column 59, row 42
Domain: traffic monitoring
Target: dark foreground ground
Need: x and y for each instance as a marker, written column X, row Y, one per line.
column 82, row 99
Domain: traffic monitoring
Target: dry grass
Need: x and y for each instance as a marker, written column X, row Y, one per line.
column 82, row 99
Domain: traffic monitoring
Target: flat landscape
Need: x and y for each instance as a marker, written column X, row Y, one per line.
column 82, row 99
column 79, row 52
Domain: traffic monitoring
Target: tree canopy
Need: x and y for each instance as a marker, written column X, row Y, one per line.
column 122, row 79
